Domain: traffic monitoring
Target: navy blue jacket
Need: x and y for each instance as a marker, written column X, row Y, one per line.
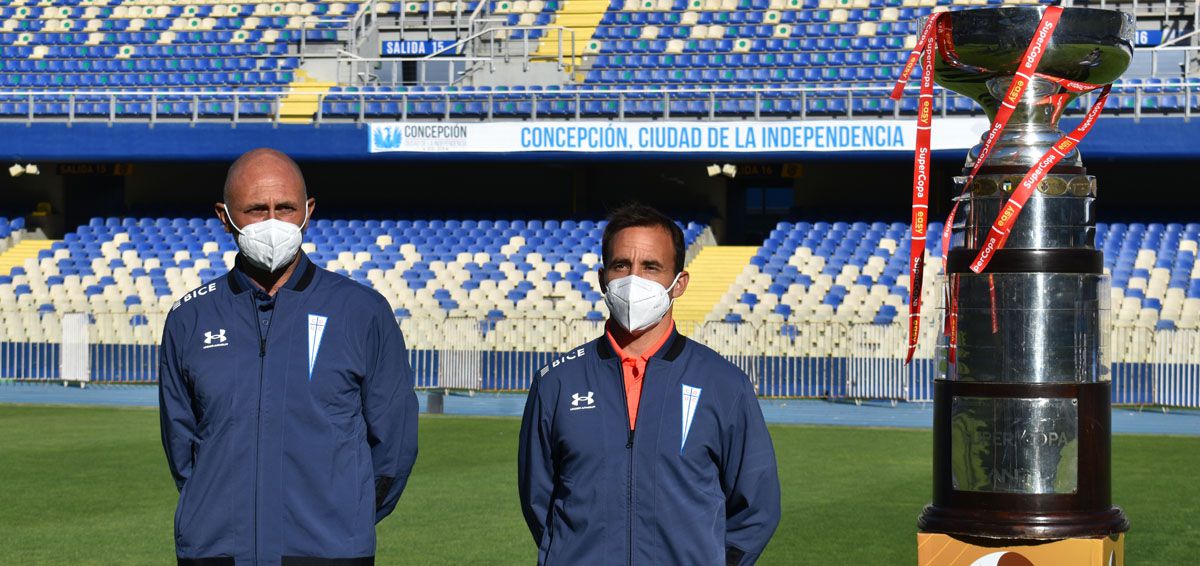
column 290, row 438
column 695, row 483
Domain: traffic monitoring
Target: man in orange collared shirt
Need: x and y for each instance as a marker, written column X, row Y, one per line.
column 644, row 447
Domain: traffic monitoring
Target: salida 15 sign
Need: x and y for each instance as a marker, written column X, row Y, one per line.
column 406, row 48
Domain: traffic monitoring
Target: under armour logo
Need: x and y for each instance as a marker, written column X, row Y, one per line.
column 586, row 400
column 215, row 339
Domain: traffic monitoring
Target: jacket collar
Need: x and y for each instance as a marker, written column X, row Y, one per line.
column 668, row 352
column 300, row 279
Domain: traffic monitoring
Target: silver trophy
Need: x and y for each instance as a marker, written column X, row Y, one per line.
column 1021, row 418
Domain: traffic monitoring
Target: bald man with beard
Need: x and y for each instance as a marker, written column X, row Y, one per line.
column 286, row 398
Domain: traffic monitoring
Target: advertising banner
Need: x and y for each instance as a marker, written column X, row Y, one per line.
column 762, row 136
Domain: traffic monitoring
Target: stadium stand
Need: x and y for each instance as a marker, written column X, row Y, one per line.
column 134, row 269
column 858, row 273
column 636, row 58
column 181, row 47
column 816, row 300
column 499, row 269
column 1156, row 280
column 842, row 272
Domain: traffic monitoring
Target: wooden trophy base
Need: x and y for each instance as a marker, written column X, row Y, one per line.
column 936, row 549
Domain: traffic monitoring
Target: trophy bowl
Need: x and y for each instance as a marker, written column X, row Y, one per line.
column 981, row 50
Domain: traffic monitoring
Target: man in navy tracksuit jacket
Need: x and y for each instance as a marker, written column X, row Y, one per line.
column 289, row 419
column 688, row 479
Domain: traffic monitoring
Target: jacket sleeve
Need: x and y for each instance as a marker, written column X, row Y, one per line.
column 535, row 463
column 389, row 408
column 751, row 481
column 177, row 418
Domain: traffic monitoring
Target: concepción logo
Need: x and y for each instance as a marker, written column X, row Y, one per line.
column 386, row 136
column 418, row 137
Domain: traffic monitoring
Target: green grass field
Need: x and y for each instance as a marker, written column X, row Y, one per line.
column 90, row 486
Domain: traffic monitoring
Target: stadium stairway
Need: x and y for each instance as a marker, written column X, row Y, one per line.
column 300, row 105
column 21, row 251
column 580, row 16
column 712, row 271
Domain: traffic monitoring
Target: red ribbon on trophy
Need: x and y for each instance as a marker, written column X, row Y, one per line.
column 936, row 38
column 922, row 159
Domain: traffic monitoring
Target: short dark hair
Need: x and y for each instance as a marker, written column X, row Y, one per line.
column 637, row 215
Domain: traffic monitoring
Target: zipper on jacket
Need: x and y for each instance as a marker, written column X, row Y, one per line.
column 629, row 451
column 262, row 371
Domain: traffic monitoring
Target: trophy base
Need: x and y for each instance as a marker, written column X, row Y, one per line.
column 936, row 549
column 1022, row 526
column 997, row 476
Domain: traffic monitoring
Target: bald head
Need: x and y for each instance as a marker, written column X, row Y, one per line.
column 262, row 165
column 264, row 183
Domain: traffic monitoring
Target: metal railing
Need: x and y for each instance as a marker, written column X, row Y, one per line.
column 361, row 25
column 521, row 104
column 352, row 69
column 457, row 19
column 305, row 28
column 1189, row 52
column 465, row 50
column 814, row 359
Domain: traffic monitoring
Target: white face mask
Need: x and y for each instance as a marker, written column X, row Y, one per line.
column 637, row 303
column 270, row 244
